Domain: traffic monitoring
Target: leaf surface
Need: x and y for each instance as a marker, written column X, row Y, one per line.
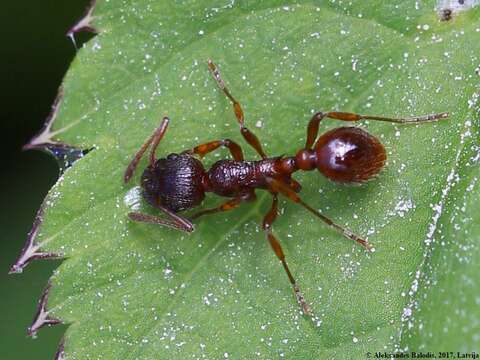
column 136, row 291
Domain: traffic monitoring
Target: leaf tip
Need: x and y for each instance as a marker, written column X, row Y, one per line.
column 15, row 269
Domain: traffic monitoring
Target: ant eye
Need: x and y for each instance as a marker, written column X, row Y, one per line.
column 349, row 154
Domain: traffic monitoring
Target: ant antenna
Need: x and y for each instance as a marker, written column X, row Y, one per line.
column 155, row 139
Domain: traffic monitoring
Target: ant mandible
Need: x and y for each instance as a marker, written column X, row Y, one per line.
column 179, row 181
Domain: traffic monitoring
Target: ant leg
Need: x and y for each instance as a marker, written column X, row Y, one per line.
column 409, row 120
column 183, row 224
column 204, row 149
column 294, row 184
column 226, row 206
column 268, row 220
column 155, row 139
column 286, row 190
column 237, row 109
column 312, row 130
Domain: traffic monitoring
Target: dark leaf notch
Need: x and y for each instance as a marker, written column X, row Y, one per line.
column 65, row 154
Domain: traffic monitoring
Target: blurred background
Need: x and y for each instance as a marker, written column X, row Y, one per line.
column 34, row 56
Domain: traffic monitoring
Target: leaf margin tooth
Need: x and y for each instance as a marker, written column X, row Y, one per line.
column 42, row 317
column 84, row 24
column 30, row 250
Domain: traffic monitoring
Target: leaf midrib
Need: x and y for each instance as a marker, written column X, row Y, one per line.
column 189, row 275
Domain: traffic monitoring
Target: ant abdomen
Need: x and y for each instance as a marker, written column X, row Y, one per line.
column 349, row 155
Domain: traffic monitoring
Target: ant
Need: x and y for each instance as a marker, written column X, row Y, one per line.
column 179, row 181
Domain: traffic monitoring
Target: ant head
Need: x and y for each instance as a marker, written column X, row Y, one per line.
column 349, row 155
column 177, row 182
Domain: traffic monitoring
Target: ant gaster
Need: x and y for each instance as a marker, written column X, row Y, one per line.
column 179, row 181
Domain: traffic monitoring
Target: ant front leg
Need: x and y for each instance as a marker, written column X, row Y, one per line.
column 268, row 220
column 250, row 137
column 204, row 149
column 155, row 140
column 312, row 130
column 284, row 189
column 227, row 205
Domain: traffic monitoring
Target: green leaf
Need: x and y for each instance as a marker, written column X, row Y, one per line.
column 136, row 291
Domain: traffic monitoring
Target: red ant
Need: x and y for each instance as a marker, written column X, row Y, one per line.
column 179, row 181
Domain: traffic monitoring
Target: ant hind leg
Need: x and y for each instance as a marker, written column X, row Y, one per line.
column 345, row 116
column 283, row 188
column 312, row 129
column 268, row 220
